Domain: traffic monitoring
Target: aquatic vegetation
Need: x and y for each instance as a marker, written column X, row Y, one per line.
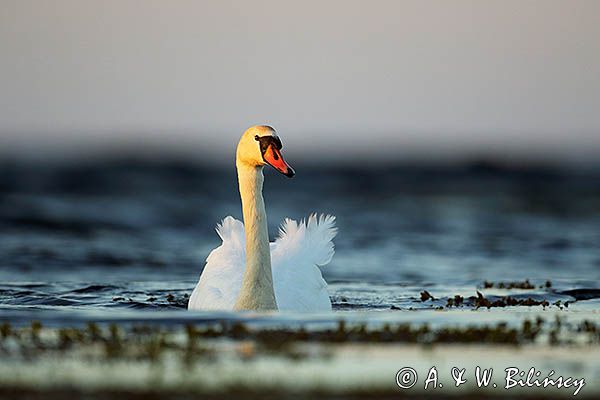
column 5, row 330
column 103, row 358
column 425, row 295
column 515, row 285
column 509, row 285
column 480, row 301
column 149, row 341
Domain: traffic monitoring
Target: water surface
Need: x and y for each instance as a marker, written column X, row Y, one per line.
column 122, row 237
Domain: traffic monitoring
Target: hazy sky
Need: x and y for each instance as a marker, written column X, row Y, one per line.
column 380, row 79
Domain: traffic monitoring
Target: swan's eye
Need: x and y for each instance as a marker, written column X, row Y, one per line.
column 256, row 137
column 266, row 141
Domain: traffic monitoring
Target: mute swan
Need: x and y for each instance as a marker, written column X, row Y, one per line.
column 247, row 272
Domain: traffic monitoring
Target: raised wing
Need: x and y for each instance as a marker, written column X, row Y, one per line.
column 221, row 279
column 296, row 256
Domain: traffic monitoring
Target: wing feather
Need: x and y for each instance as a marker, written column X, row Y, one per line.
column 296, row 256
column 221, row 279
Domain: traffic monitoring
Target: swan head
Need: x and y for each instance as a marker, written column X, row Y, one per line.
column 260, row 146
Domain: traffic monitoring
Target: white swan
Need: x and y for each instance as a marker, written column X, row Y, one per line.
column 247, row 272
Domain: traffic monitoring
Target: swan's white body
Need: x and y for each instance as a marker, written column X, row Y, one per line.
column 295, row 257
column 247, row 272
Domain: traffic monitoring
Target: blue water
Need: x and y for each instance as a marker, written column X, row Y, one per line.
column 123, row 237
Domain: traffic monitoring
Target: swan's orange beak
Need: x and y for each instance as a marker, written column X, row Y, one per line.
column 274, row 158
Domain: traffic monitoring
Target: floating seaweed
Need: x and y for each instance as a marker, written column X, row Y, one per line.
column 480, row 301
column 148, row 342
column 509, row 285
column 425, row 295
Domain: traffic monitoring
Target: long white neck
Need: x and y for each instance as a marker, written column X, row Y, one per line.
column 257, row 291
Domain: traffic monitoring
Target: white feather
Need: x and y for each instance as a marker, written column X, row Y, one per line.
column 295, row 259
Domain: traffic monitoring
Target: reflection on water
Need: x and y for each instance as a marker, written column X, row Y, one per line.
column 135, row 235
